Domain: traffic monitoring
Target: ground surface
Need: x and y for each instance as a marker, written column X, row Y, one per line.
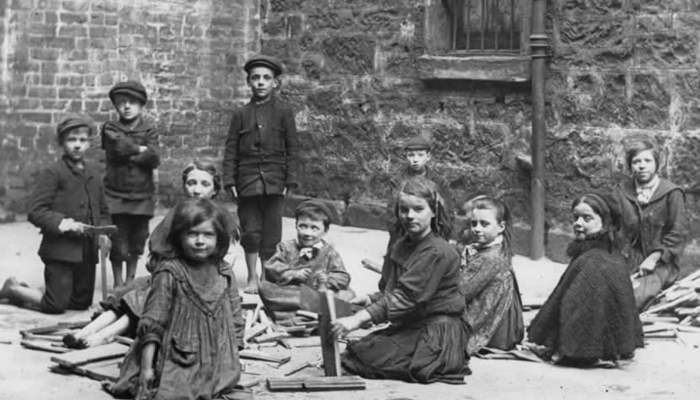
column 662, row 370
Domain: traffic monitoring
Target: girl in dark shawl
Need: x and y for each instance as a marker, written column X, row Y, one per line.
column 591, row 314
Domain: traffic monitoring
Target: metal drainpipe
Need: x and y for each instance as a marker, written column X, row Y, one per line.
column 538, row 50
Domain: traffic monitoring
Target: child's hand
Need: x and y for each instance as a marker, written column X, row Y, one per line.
column 146, row 381
column 71, row 225
column 104, row 242
column 302, row 274
column 362, row 300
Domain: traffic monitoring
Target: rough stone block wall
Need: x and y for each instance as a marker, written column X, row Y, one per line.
column 63, row 56
column 619, row 69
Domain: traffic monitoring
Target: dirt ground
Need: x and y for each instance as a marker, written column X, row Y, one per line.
column 664, row 369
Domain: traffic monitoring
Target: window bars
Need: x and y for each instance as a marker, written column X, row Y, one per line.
column 487, row 26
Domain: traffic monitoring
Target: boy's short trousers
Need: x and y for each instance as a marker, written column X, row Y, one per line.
column 131, row 236
column 261, row 223
column 69, row 286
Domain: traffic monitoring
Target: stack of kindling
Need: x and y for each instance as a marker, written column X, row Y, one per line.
column 675, row 310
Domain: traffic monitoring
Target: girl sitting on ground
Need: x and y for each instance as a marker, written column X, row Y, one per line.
column 123, row 308
column 494, row 308
column 427, row 339
column 591, row 315
column 191, row 330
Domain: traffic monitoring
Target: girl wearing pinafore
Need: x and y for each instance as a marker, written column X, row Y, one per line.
column 191, row 329
column 494, row 308
column 427, row 339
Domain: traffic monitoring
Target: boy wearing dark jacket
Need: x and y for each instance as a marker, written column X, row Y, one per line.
column 68, row 196
column 260, row 163
column 130, row 148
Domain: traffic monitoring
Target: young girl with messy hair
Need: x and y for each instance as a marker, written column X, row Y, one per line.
column 419, row 295
column 191, row 329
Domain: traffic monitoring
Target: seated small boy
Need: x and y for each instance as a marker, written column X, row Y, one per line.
column 306, row 260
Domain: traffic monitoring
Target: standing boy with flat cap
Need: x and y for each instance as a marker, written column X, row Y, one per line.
column 260, row 163
column 130, row 147
column 68, row 196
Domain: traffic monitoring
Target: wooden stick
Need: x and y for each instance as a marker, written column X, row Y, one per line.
column 37, row 345
column 92, row 354
column 666, row 306
column 103, row 270
column 329, row 345
column 259, row 355
column 254, row 331
column 307, row 314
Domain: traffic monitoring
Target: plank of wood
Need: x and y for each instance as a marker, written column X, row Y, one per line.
column 292, row 368
column 101, row 371
column 316, row 383
column 665, row 306
column 41, row 345
column 92, row 354
column 270, row 337
column 254, row 331
column 307, row 314
column 329, row 345
column 43, row 330
column 259, row 355
column 47, row 338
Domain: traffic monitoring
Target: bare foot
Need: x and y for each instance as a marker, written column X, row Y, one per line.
column 6, row 290
column 251, row 287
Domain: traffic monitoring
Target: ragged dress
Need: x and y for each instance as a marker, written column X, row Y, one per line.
column 591, row 313
column 427, row 339
column 198, row 331
column 494, row 309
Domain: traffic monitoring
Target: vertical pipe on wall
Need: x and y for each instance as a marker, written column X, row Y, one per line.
column 538, row 50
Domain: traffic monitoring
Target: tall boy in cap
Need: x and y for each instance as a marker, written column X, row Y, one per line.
column 68, row 195
column 306, row 260
column 260, row 163
column 130, row 146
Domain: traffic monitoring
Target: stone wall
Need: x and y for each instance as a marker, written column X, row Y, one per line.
column 618, row 69
column 63, row 56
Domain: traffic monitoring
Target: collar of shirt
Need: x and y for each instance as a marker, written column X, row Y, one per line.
column 644, row 192
column 309, row 252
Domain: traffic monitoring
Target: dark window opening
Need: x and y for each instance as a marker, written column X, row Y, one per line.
column 484, row 26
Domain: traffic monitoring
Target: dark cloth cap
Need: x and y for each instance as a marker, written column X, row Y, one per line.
column 261, row 60
column 74, row 121
column 316, row 205
column 131, row 88
column 417, row 143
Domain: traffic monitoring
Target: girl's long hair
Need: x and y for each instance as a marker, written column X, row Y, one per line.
column 426, row 189
column 502, row 215
column 192, row 212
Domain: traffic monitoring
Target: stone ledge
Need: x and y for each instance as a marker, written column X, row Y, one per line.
column 504, row 68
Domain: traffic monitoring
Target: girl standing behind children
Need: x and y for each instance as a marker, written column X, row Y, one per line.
column 189, row 335
column 494, row 308
column 124, row 307
column 130, row 148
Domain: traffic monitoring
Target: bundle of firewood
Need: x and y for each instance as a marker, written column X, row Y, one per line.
column 675, row 310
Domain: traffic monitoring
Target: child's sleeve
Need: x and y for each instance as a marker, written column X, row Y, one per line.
column 41, row 213
column 117, row 145
column 149, row 157
column 338, row 277
column 292, row 148
column 230, row 164
column 278, row 265
column 156, row 310
column 238, row 321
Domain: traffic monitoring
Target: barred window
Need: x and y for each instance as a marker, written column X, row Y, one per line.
column 485, row 26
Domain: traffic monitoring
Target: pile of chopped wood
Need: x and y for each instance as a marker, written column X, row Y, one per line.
column 675, row 311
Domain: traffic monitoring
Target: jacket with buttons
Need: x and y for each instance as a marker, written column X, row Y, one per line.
column 261, row 149
column 660, row 225
column 129, row 173
column 64, row 191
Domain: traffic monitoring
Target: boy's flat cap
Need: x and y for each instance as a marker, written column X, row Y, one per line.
column 417, row 143
column 262, row 60
column 315, row 204
column 131, row 88
column 74, row 121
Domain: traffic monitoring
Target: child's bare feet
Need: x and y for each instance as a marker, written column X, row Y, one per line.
column 251, row 287
column 7, row 287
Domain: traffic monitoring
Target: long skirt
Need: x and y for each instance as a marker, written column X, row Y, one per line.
column 431, row 350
